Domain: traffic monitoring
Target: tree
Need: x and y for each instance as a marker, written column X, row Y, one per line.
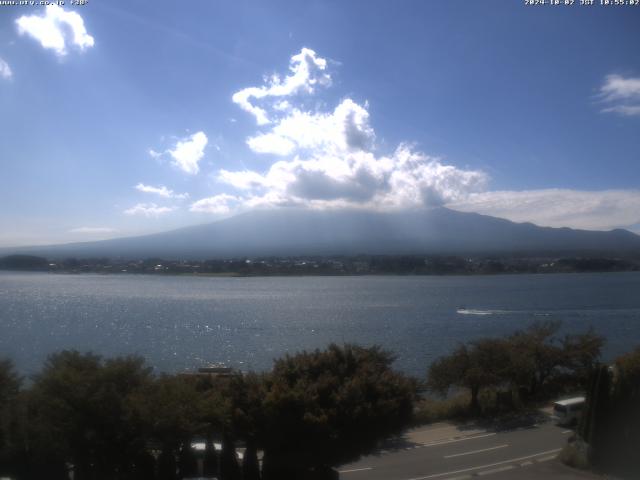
column 629, row 364
column 539, row 357
column 480, row 364
column 536, row 355
column 328, row 407
column 533, row 360
column 168, row 409
column 10, row 383
column 581, row 356
column 78, row 413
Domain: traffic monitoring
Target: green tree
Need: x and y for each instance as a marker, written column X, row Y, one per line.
column 477, row 365
column 169, row 411
column 78, row 413
column 327, row 407
column 536, row 355
column 10, row 383
column 581, row 356
column 542, row 363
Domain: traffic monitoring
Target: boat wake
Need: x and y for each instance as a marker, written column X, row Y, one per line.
column 472, row 311
column 475, row 311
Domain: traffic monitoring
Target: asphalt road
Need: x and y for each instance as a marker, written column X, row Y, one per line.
column 446, row 452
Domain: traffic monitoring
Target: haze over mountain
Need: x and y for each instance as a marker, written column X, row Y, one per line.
column 290, row 232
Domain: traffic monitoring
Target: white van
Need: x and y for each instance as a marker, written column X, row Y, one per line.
column 568, row 411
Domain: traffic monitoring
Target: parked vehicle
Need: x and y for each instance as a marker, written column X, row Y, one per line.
column 568, row 411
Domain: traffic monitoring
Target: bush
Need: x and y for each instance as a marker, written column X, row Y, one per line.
column 430, row 410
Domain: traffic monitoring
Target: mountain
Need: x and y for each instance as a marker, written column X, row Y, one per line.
column 290, row 232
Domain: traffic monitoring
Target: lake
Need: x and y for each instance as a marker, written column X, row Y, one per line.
column 182, row 322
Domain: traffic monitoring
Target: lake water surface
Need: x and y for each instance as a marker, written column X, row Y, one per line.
column 183, row 322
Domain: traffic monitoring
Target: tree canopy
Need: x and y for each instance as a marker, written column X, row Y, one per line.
column 341, row 401
column 535, row 361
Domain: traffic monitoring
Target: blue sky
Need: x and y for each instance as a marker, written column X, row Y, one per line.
column 127, row 117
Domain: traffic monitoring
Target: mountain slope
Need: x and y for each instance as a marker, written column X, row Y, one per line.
column 302, row 232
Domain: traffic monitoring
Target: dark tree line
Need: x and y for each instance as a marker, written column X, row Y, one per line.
column 114, row 419
column 535, row 363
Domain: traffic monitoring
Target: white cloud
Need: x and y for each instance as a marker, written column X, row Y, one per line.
column 161, row 190
column 55, row 29
column 188, row 152
column 307, row 71
column 153, row 154
column 345, row 129
column 148, row 210
column 92, row 230
column 626, row 110
column 5, row 70
column 592, row 210
column 330, row 159
column 622, row 95
column 242, row 180
column 219, row 204
column 404, row 179
column 271, row 143
column 617, row 87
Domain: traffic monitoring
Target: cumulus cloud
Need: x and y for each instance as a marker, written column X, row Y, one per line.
column 345, row 129
column 148, row 210
column 359, row 179
column 5, row 70
column 218, row 204
column 329, row 158
column 307, row 70
column 621, row 95
column 188, row 152
column 591, row 210
column 92, row 230
column 271, row 143
column 56, row 29
column 161, row 190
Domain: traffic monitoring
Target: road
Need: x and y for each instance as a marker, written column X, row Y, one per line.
column 447, row 452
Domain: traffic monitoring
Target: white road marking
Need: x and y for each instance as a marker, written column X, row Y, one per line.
column 545, row 459
column 446, row 442
column 527, row 463
column 496, row 470
column 355, row 470
column 448, row 427
column 511, row 460
column 476, row 451
column 567, row 431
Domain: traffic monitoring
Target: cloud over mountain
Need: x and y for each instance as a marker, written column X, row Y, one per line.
column 329, row 159
column 596, row 210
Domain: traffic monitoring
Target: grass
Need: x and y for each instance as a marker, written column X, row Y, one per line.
column 429, row 410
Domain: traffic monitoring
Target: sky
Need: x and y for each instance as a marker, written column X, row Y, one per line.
column 129, row 117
